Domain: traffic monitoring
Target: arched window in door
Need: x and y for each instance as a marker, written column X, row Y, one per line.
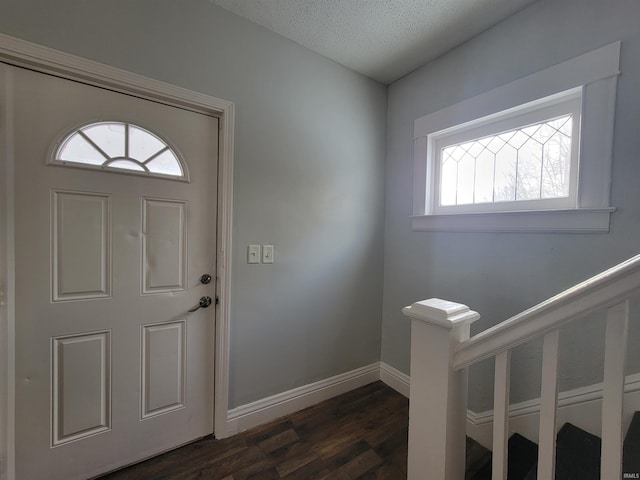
column 120, row 147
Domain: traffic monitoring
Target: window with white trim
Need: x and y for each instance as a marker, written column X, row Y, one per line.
column 532, row 155
column 119, row 147
column 525, row 160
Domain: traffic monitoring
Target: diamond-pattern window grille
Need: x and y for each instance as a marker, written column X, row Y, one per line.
column 529, row 163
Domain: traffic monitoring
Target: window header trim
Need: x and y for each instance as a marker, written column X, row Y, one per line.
column 575, row 73
column 594, row 76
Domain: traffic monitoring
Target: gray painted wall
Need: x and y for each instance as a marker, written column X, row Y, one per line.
column 310, row 143
column 500, row 275
column 309, row 173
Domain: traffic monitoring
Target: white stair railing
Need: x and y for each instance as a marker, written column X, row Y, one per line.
column 441, row 352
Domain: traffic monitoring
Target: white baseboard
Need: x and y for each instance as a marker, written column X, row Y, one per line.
column 395, row 379
column 582, row 407
column 281, row 404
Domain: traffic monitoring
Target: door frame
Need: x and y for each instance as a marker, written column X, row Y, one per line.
column 21, row 53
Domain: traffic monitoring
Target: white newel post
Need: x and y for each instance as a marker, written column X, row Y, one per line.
column 438, row 395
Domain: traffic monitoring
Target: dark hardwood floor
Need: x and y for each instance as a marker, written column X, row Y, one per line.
column 361, row 434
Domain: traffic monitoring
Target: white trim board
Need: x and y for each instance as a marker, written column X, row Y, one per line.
column 590, row 67
column 7, row 276
column 570, row 397
column 21, row 53
column 594, row 74
column 581, row 407
column 271, row 408
column 263, row 411
column 395, row 379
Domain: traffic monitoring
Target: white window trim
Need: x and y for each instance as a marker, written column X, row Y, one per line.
column 595, row 73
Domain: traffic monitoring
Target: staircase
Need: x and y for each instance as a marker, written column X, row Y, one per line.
column 442, row 350
column 631, row 452
column 577, row 456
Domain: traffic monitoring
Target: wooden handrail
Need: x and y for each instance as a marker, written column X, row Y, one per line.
column 600, row 291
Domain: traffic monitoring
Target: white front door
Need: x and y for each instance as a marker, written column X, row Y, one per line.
column 111, row 367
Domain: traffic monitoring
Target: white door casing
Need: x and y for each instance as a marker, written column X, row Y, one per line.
column 156, row 90
column 40, row 58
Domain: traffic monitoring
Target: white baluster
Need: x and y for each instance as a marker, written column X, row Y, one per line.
column 613, row 391
column 438, row 396
column 501, row 416
column 548, row 407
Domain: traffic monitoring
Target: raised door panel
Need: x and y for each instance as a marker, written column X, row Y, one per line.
column 163, row 368
column 81, row 390
column 164, row 252
column 81, row 246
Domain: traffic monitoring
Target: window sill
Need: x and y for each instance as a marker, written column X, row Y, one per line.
column 580, row 220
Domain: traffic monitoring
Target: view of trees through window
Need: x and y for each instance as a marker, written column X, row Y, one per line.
column 529, row 163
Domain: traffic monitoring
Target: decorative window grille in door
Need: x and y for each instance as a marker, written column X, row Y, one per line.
column 120, row 147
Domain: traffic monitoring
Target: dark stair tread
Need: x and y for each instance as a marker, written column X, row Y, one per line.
column 476, row 458
column 631, row 450
column 577, row 455
column 523, row 455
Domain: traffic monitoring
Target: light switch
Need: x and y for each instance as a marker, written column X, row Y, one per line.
column 267, row 253
column 253, row 254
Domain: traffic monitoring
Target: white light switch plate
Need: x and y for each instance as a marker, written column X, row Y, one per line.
column 253, row 254
column 267, row 253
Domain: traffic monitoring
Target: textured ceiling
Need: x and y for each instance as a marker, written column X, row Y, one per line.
column 383, row 39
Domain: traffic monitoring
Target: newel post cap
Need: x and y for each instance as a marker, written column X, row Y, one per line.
column 441, row 312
